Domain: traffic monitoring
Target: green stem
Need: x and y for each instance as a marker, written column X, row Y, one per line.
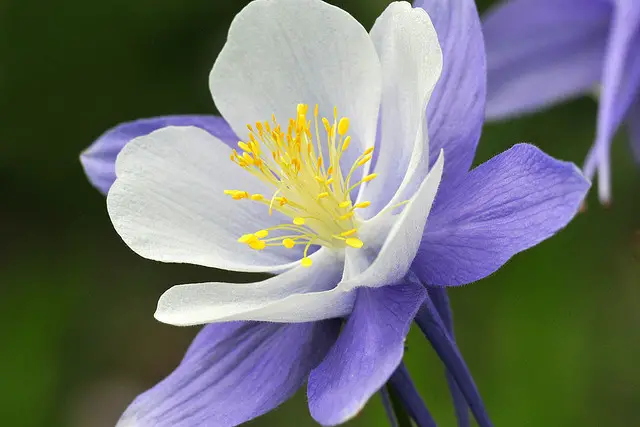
column 401, row 416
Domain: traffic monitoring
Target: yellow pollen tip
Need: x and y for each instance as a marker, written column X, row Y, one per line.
column 343, row 126
column 354, row 242
column 261, row 234
column 244, row 146
column 323, row 195
column 236, row 194
column 257, row 197
column 288, row 243
column 346, row 143
column 368, row 151
column 346, row 216
column 345, row 204
column 362, row 161
column 298, row 221
column 247, row 158
column 306, row 262
column 246, row 238
column 258, row 245
column 362, row 205
column 369, row 177
column 348, row 232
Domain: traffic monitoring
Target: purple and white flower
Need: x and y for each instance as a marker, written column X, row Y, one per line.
column 349, row 202
column 541, row 52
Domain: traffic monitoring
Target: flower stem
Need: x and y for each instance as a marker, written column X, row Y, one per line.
column 393, row 407
column 434, row 329
column 440, row 301
column 401, row 385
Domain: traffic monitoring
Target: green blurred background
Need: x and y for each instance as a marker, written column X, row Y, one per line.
column 552, row 338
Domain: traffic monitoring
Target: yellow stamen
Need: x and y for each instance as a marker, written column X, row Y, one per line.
column 309, row 186
column 346, row 143
column 363, row 161
column 246, row 238
column 354, row 242
column 362, row 205
column 258, row 245
column 346, row 216
column 343, row 126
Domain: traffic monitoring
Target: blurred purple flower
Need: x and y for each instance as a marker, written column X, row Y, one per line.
column 540, row 52
column 340, row 323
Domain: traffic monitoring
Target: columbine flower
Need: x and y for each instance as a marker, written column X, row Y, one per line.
column 544, row 51
column 329, row 187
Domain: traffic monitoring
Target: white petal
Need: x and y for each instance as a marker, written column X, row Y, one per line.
column 401, row 244
column 280, row 53
column 310, row 294
column 411, row 58
column 168, row 203
column 298, row 295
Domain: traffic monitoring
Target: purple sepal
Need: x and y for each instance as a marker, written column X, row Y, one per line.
column 367, row 352
column 504, row 206
column 455, row 113
column 234, row 372
column 99, row 159
column 540, row 52
column 620, row 88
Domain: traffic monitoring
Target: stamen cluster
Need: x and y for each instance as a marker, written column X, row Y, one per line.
column 309, row 184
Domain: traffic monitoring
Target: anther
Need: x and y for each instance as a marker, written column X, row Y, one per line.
column 346, row 143
column 369, row 177
column 362, row 205
column 346, row 216
column 343, row 126
column 354, row 242
column 261, row 234
column 258, row 245
column 362, row 161
column 246, row 238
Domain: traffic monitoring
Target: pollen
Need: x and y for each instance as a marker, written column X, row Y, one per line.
column 302, row 164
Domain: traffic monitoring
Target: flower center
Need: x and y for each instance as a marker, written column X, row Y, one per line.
column 313, row 191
